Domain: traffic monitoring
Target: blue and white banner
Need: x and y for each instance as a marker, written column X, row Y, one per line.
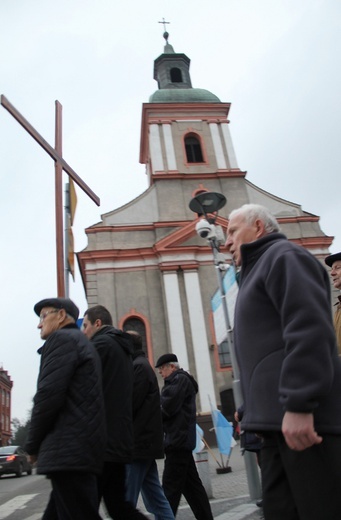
column 231, row 291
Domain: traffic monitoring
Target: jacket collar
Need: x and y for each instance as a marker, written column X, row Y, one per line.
column 252, row 251
column 68, row 326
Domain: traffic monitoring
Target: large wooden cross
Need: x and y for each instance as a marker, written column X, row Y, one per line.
column 60, row 165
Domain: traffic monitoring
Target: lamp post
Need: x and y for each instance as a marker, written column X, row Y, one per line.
column 208, row 204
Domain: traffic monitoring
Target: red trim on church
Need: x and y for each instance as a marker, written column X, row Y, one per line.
column 133, row 313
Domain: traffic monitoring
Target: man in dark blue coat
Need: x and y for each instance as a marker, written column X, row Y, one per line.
column 178, row 408
column 67, row 430
column 289, row 367
column 115, row 351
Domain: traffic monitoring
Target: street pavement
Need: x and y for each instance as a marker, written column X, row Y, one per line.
column 231, row 499
column 229, row 496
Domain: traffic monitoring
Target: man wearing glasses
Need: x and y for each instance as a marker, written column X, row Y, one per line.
column 334, row 261
column 67, row 434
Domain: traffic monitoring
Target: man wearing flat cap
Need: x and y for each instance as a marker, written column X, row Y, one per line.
column 334, row 261
column 67, row 433
column 180, row 476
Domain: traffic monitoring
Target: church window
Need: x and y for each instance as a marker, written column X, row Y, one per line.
column 138, row 326
column 176, row 75
column 193, row 150
column 224, row 355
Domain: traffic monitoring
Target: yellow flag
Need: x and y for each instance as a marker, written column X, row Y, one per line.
column 71, row 251
column 72, row 199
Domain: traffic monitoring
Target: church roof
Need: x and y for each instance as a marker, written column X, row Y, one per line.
column 183, row 95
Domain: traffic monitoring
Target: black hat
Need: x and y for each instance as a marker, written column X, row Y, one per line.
column 332, row 258
column 58, row 303
column 166, row 358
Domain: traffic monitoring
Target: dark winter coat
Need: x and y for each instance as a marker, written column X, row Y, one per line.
column 67, row 429
column 249, row 441
column 284, row 337
column 115, row 351
column 147, row 421
column 179, row 410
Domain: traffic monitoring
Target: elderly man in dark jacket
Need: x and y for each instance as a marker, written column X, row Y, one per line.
column 290, row 370
column 179, row 423
column 115, row 351
column 142, row 474
column 67, row 433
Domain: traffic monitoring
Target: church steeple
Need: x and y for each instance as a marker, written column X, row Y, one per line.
column 184, row 129
column 171, row 70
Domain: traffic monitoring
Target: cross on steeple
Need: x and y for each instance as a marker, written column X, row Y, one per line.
column 164, row 23
column 165, row 34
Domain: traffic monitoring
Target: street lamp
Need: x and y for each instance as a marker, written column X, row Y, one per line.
column 207, row 204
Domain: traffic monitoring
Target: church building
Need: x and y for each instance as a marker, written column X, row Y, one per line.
column 145, row 261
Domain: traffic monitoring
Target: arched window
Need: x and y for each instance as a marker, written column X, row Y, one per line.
column 193, row 149
column 138, row 326
column 176, row 75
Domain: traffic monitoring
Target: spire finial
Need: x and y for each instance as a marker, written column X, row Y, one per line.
column 165, row 34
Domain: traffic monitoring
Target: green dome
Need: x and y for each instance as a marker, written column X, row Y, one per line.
column 183, row 95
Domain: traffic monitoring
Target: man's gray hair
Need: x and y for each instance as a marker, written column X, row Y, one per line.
column 176, row 364
column 252, row 212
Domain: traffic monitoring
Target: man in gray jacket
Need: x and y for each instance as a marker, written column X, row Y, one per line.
column 290, row 370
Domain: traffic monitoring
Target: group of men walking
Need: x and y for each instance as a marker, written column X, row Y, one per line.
column 97, row 422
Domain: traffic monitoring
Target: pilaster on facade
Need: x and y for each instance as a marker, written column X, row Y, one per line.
column 200, row 341
column 175, row 318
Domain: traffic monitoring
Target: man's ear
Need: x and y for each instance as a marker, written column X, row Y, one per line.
column 98, row 323
column 62, row 315
column 260, row 228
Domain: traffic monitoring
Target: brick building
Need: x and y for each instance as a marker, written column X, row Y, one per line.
column 5, row 407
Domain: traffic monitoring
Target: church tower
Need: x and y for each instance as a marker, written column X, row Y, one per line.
column 145, row 262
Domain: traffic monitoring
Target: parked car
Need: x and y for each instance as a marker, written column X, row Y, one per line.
column 13, row 459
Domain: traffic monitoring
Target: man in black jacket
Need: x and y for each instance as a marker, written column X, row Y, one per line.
column 289, row 367
column 115, row 351
column 67, row 431
column 148, row 437
column 178, row 408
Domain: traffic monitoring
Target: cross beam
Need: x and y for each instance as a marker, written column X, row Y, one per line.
column 48, row 148
column 60, row 165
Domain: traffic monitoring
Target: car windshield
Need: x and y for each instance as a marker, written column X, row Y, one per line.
column 7, row 450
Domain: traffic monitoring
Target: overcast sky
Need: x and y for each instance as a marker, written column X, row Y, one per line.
column 276, row 61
